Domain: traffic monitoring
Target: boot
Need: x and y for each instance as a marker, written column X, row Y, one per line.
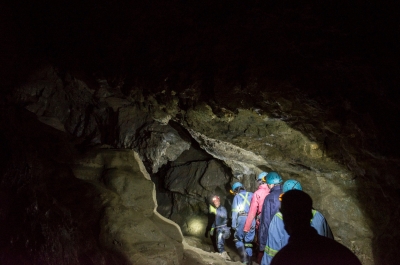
column 242, row 254
column 249, row 258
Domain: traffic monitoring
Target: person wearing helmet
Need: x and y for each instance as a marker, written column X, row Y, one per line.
column 291, row 184
column 256, row 206
column 270, row 206
column 220, row 225
column 240, row 209
column 305, row 245
column 277, row 235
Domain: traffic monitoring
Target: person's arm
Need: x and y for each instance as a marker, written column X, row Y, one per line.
column 252, row 213
column 277, row 238
column 222, row 213
column 213, row 225
column 321, row 225
column 273, row 244
column 234, row 212
column 264, row 222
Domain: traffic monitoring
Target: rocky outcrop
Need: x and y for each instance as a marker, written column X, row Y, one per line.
column 202, row 150
column 129, row 223
column 158, row 144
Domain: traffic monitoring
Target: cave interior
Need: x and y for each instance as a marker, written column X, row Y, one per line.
column 120, row 119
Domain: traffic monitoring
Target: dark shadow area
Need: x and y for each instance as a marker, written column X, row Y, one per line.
column 48, row 216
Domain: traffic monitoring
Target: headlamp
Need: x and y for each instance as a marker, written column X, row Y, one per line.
column 215, row 198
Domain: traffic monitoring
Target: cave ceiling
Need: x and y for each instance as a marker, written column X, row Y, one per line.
column 205, row 89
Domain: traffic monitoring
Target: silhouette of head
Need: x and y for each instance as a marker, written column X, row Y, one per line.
column 296, row 209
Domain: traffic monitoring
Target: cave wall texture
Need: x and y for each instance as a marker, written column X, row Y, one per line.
column 120, row 119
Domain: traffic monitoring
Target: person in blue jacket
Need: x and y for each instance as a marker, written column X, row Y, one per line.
column 277, row 235
column 270, row 207
column 220, row 225
column 240, row 209
column 305, row 245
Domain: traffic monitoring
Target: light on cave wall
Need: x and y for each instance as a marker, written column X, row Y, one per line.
column 196, row 226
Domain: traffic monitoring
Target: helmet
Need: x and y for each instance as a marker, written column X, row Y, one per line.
column 274, row 178
column 291, row 184
column 261, row 176
column 236, row 185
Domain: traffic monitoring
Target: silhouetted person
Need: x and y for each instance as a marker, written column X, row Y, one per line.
column 277, row 235
column 305, row 245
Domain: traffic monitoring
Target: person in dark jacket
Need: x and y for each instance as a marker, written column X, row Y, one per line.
column 305, row 245
column 220, row 226
column 270, row 207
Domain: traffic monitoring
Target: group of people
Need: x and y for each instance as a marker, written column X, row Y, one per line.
column 279, row 220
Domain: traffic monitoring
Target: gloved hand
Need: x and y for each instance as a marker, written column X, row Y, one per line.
column 212, row 232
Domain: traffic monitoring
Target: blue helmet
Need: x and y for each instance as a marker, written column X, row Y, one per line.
column 291, row 184
column 236, row 185
column 261, row 176
column 274, row 178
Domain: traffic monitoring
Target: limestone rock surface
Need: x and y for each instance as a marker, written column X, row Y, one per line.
column 129, row 221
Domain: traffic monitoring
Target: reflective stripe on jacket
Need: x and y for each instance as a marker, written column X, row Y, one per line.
column 240, row 205
column 278, row 237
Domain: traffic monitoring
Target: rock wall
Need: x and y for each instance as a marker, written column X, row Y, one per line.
column 196, row 151
column 129, row 223
column 103, row 211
